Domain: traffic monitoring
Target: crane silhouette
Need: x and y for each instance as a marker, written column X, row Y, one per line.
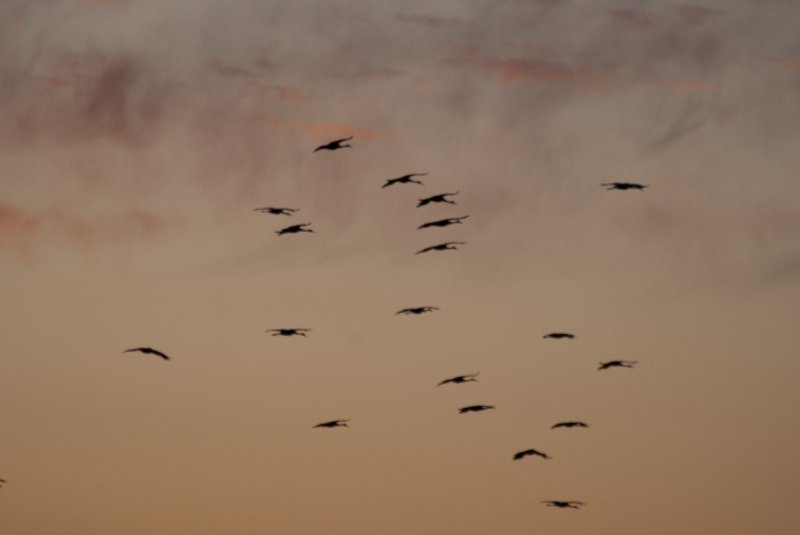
column 443, row 222
column 333, row 423
column 288, row 332
column 335, row 144
column 458, row 379
column 616, row 364
column 563, row 504
column 525, row 453
column 416, row 310
column 276, row 211
column 405, row 179
column 568, row 425
column 446, row 246
column 623, row 186
column 475, row 408
column 294, row 229
column 442, row 197
column 148, row 351
column 559, row 336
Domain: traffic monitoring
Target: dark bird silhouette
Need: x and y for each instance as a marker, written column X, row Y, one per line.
column 525, row 453
column 288, row 332
column 276, row 211
column 148, row 351
column 416, row 310
column 458, row 379
column 446, row 246
column 335, row 144
column 617, row 364
column 294, row 229
column 333, row 423
column 2, row 482
column 405, row 179
column 559, row 336
column 443, row 222
column 442, row 197
column 568, row 425
column 623, row 186
column 475, row 408
column 563, row 504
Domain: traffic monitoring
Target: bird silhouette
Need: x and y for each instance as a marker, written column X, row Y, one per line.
column 475, row 408
column 458, row 379
column 442, row 197
column 335, row 144
column 623, row 186
column 2, row 482
column 446, row 246
column 148, row 351
column 405, row 179
column 617, row 364
column 276, row 211
column 563, row 504
column 568, row 425
column 559, row 336
column 416, row 310
column 526, row 453
column 333, row 423
column 443, row 222
column 288, row 332
column 294, row 229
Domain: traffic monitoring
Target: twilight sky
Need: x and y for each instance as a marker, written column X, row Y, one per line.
column 137, row 138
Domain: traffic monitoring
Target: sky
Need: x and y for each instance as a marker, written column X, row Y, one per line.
column 137, row 138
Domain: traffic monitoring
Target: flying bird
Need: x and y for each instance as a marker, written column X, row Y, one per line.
column 623, row 186
column 275, row 211
column 568, row 425
column 443, row 222
column 442, row 197
column 446, row 246
column 525, row 453
column 405, row 179
column 559, row 336
column 288, row 332
column 148, row 351
column 333, row 423
column 458, row 379
column 617, row 364
column 335, row 144
column 294, row 229
column 2, row 482
column 564, row 504
column 475, row 408
column 416, row 310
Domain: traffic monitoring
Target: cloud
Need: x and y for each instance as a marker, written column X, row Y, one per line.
column 431, row 21
column 635, row 19
column 327, row 131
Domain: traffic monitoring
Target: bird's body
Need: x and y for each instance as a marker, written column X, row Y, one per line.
column 526, row 453
column 405, row 179
column 276, row 211
column 288, row 332
column 458, row 379
column 148, row 351
column 442, row 197
column 443, row 222
column 563, row 504
column 559, row 336
column 2, row 482
column 568, row 425
column 446, row 246
column 416, row 310
column 335, row 144
column 294, row 229
column 623, row 186
column 333, row 423
column 617, row 364
column 475, row 408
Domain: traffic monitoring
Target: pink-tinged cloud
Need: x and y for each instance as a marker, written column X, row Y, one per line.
column 228, row 70
column 692, row 85
column 327, row 131
column 696, row 15
column 430, row 21
column 291, row 95
column 109, row 4
column 511, row 71
column 18, row 230
column 634, row 19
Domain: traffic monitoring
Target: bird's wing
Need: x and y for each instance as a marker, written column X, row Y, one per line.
column 160, row 354
column 426, row 225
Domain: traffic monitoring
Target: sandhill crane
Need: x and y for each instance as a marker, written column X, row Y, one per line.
column 559, row 336
column 288, row 332
column 333, row 423
column 276, row 211
column 475, row 408
column 335, row 144
column 568, row 425
column 416, row 310
column 526, row 453
column 617, row 364
column 294, row 229
column 405, row 179
column 446, row 246
column 443, row 222
column 458, row 379
column 442, row 197
column 148, row 351
column 623, row 186
column 563, row 504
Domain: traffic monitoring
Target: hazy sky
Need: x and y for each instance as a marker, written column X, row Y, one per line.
column 137, row 138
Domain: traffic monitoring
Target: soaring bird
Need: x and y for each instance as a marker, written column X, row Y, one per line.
column 288, row 332
column 475, row 408
column 335, row 144
column 405, row 179
column 623, row 186
column 443, row 222
column 2, row 482
column 559, row 336
column 416, row 310
column 617, row 364
column 525, row 453
column 294, row 229
column 275, row 211
column 333, row 423
column 563, row 504
column 458, row 379
column 442, row 197
column 568, row 425
column 148, row 351
column 446, row 246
